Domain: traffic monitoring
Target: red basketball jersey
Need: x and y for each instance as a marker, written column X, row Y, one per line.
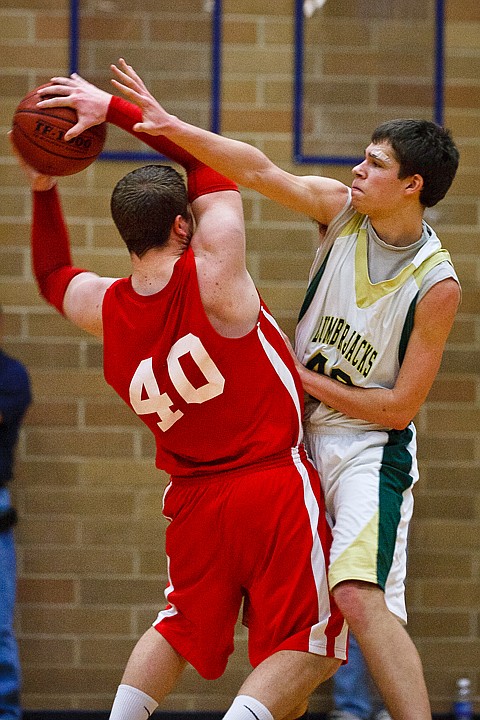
column 213, row 403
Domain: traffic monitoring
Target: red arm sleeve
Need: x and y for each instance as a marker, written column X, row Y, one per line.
column 201, row 179
column 51, row 259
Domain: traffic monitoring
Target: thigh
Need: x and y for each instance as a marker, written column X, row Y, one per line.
column 203, row 595
column 288, row 605
column 368, row 480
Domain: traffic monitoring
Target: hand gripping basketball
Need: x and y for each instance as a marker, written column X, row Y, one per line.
column 39, row 136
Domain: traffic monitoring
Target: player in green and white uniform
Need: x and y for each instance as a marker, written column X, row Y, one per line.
column 409, row 165
column 359, row 338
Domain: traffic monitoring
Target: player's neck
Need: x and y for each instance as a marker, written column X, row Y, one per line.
column 152, row 272
column 398, row 231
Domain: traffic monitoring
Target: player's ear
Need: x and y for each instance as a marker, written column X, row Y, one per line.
column 414, row 184
column 181, row 227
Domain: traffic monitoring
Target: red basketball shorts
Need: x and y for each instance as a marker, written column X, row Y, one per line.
column 260, row 537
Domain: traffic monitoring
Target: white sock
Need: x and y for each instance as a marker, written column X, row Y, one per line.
column 245, row 707
column 132, row 704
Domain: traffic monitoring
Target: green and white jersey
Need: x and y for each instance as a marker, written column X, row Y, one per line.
column 358, row 311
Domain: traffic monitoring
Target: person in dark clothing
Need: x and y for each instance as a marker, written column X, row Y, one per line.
column 15, row 397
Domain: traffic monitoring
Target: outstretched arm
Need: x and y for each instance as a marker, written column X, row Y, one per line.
column 318, row 197
column 219, row 239
column 94, row 106
column 58, row 280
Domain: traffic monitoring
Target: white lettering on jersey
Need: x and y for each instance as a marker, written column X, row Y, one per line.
column 155, row 402
column 215, row 380
column 144, row 382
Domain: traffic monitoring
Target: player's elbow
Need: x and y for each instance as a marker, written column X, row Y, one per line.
column 400, row 423
column 400, row 416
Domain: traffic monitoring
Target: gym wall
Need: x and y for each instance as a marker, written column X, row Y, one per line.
column 91, row 568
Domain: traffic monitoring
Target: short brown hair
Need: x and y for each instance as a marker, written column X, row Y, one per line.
column 144, row 205
column 423, row 147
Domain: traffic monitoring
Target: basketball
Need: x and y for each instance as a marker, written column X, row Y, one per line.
column 38, row 134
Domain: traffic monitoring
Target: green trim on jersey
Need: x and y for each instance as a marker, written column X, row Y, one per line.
column 312, row 288
column 407, row 330
column 350, row 228
column 395, row 477
column 419, row 274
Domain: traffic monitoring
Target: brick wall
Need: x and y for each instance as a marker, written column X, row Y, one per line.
column 90, row 539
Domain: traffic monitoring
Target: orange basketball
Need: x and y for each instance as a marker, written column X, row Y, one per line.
column 38, row 134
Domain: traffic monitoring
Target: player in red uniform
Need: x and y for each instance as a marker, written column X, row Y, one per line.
column 192, row 349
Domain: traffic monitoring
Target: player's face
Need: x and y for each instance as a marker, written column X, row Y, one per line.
column 376, row 188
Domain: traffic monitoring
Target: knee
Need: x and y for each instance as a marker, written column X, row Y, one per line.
column 359, row 602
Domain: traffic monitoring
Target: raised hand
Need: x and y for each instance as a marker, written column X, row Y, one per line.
column 155, row 118
column 90, row 102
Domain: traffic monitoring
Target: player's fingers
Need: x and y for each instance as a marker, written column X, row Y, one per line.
column 147, row 127
column 129, row 77
column 60, row 92
column 121, row 72
column 76, row 130
column 144, row 128
column 123, row 77
column 56, row 102
column 61, row 80
column 128, row 91
column 128, row 69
